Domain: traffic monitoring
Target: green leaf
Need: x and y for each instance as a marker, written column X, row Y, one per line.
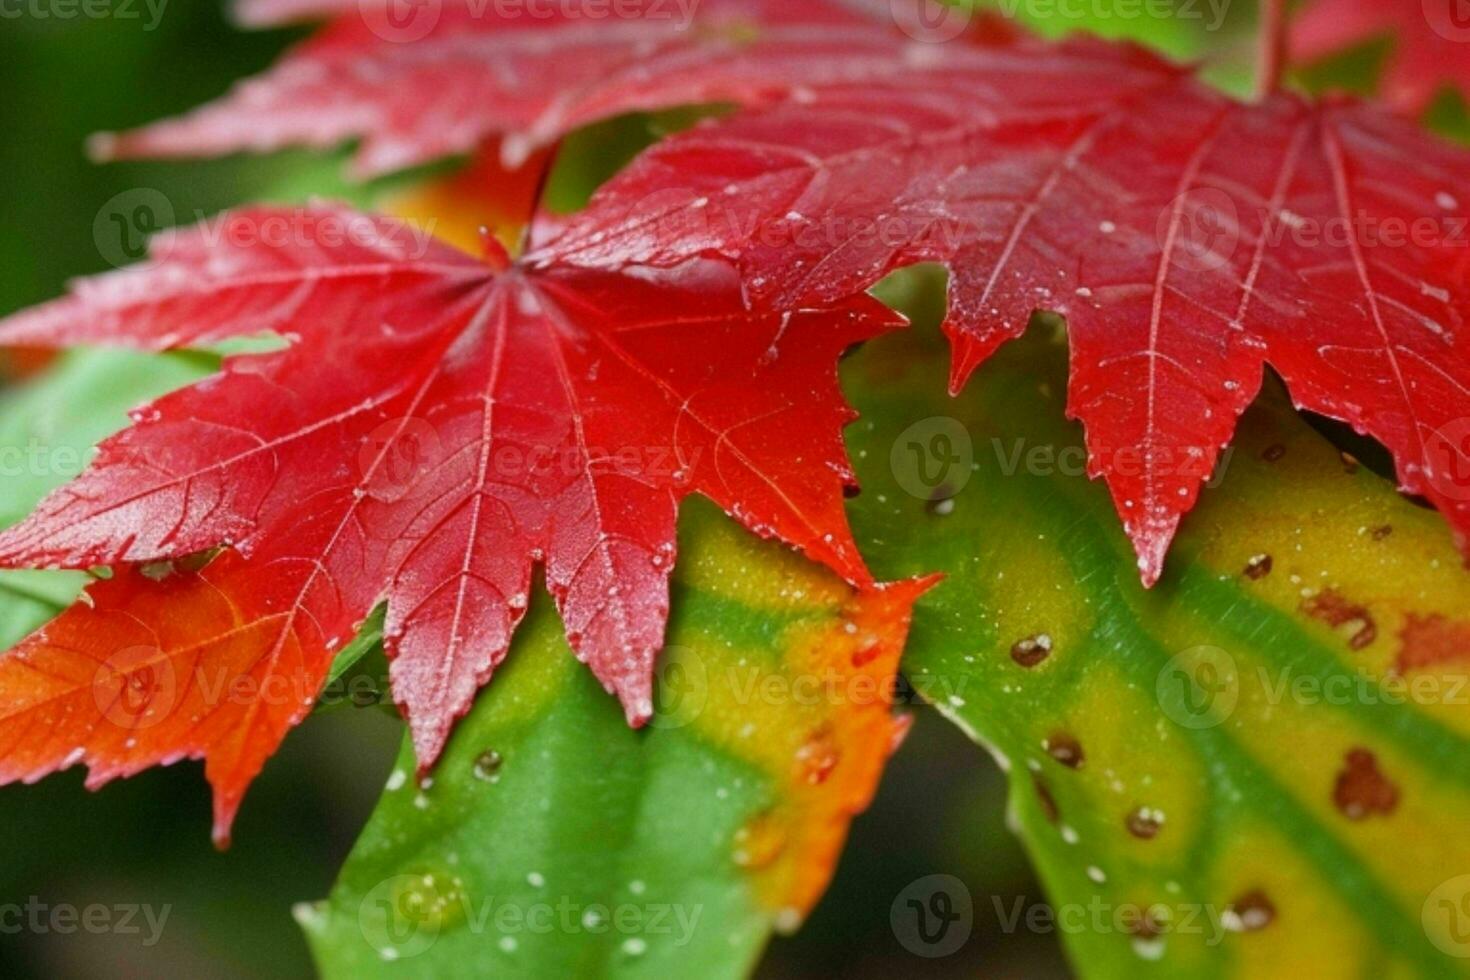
column 47, row 430
column 1260, row 767
column 552, row 840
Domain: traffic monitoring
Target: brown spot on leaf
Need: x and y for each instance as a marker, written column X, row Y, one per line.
column 1381, row 531
column 1258, row 567
column 1064, row 748
column 487, row 766
column 1142, row 923
column 1032, row 650
column 1349, row 463
column 1348, row 618
column 1144, row 822
column 1273, row 453
column 1044, row 797
column 1362, row 790
column 1425, row 641
column 1250, row 912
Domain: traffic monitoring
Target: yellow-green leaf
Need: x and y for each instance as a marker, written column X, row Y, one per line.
column 1259, row 768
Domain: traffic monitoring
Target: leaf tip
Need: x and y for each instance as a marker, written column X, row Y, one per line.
column 225, row 809
column 1151, row 544
column 102, row 147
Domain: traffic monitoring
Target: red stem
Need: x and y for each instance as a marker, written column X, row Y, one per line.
column 1272, row 47
column 528, row 231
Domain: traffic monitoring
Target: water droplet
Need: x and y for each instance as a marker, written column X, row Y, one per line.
column 1145, row 822
column 1032, row 650
column 1064, row 748
column 759, row 842
column 1249, row 912
column 1149, row 948
column 818, row 756
column 487, row 766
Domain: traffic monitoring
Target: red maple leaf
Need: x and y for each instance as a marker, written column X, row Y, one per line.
column 438, row 426
column 1188, row 238
column 444, row 75
column 1431, row 42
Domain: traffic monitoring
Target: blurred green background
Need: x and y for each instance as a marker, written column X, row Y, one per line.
column 146, row 840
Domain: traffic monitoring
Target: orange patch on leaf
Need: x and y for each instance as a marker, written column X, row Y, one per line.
column 157, row 665
column 1426, row 641
column 484, row 195
column 837, row 761
column 1351, row 620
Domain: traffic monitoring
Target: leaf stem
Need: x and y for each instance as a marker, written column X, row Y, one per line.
column 1273, row 47
column 528, row 231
